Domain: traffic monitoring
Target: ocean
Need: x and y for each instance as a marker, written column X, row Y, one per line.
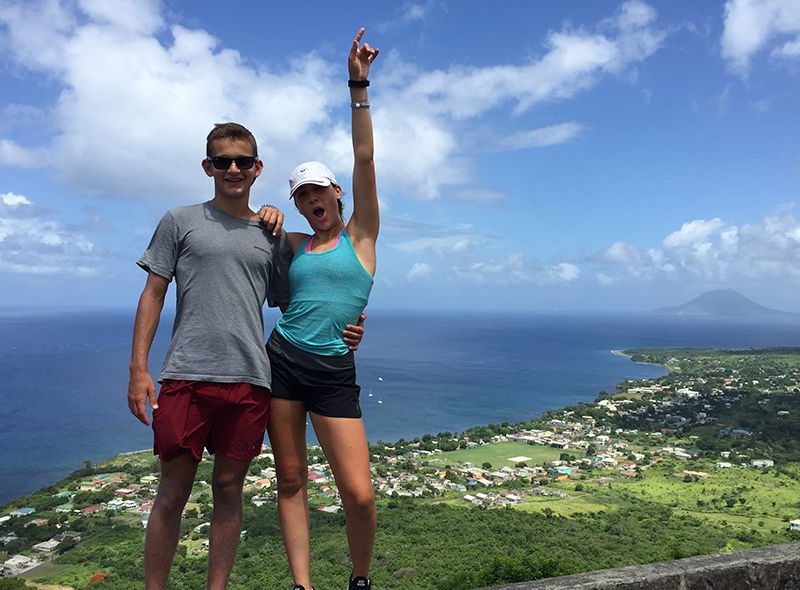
column 63, row 377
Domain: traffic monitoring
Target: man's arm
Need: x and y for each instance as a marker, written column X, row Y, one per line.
column 353, row 334
column 140, row 384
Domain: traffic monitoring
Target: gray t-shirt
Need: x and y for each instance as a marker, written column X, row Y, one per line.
column 224, row 268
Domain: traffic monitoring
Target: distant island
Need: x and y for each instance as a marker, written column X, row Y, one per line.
column 726, row 303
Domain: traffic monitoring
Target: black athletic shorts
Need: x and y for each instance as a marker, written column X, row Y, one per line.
column 325, row 384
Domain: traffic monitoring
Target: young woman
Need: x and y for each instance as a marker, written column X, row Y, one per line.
column 313, row 370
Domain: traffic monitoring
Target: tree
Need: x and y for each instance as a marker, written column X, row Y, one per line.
column 486, row 465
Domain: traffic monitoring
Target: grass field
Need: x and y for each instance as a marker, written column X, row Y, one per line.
column 66, row 576
column 738, row 497
column 498, row 454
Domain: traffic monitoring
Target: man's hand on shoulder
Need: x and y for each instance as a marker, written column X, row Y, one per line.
column 353, row 334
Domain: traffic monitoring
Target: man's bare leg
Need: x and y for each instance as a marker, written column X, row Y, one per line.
column 164, row 524
column 226, row 519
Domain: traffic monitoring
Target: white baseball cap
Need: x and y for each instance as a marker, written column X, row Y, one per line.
column 310, row 173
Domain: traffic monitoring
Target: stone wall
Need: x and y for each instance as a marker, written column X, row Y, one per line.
column 766, row 568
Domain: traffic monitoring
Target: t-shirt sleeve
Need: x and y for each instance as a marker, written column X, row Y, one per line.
column 278, row 291
column 161, row 255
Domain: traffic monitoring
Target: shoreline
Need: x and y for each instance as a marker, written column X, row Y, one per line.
column 15, row 499
column 617, row 352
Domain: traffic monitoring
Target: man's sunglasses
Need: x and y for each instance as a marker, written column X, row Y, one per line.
column 224, row 162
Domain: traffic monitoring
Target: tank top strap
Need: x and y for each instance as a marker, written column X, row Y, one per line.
column 335, row 242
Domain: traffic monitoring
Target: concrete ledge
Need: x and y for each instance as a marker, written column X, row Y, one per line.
column 766, row 568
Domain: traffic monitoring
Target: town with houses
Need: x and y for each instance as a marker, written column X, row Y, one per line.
column 686, row 418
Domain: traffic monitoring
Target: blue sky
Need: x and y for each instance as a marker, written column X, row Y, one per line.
column 531, row 156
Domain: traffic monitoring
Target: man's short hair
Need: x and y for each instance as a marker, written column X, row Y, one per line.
column 230, row 131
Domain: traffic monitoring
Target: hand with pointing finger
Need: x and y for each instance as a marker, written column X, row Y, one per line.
column 361, row 57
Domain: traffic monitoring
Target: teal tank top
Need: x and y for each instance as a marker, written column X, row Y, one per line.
column 328, row 290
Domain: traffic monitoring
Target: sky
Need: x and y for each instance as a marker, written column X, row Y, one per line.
column 531, row 156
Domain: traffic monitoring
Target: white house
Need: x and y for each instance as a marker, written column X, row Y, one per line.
column 19, row 563
column 46, row 546
column 762, row 463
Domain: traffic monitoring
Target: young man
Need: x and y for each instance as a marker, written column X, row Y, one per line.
column 216, row 375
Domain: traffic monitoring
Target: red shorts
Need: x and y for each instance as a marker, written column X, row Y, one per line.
column 227, row 417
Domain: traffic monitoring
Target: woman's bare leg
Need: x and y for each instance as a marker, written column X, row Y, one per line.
column 345, row 444
column 287, row 435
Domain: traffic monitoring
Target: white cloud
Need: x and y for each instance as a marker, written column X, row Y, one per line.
column 414, row 12
column 140, row 109
column 790, row 50
column 502, row 271
column 622, row 253
column 693, row 234
column 565, row 271
column 133, row 16
column 418, row 271
column 541, row 137
column 429, row 108
column 573, row 61
column 441, row 245
column 713, row 250
column 22, row 116
column 13, row 201
column 605, row 279
column 138, row 95
column 12, row 154
column 409, row 13
column 752, row 25
column 32, row 244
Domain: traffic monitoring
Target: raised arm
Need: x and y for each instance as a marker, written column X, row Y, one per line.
column 365, row 221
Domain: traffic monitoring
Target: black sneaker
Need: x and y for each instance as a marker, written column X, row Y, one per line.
column 359, row 583
column 300, row 587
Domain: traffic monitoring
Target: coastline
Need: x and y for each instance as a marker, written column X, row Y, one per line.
column 427, row 429
column 16, row 499
column 623, row 354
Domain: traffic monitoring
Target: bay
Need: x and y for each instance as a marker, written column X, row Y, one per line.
column 63, row 376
